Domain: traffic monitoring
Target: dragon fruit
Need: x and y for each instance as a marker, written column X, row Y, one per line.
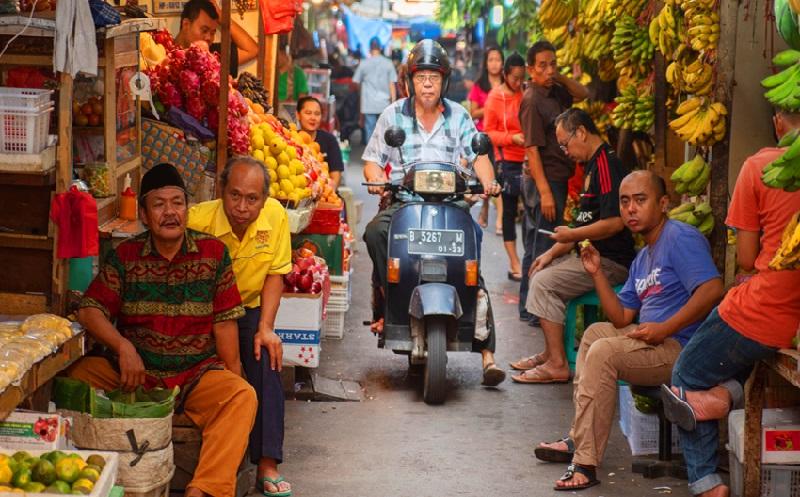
column 196, row 108
column 169, row 95
column 212, row 116
column 162, row 37
column 189, row 83
column 209, row 90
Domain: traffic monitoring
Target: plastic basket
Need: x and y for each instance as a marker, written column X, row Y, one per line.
column 776, row 480
column 23, row 131
column 333, row 327
column 640, row 429
column 24, row 99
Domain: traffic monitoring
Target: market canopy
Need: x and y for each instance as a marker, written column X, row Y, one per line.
column 360, row 30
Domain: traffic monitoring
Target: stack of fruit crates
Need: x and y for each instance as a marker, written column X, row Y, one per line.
column 338, row 305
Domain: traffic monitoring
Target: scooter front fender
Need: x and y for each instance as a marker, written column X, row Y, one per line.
column 434, row 299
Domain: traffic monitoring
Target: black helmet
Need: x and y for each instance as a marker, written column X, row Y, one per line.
column 428, row 55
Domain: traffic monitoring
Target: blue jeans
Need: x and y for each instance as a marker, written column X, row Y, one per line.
column 370, row 120
column 715, row 354
column 533, row 213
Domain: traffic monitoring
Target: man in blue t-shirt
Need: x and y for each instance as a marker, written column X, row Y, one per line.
column 672, row 285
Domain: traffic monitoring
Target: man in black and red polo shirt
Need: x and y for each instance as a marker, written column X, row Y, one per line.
column 557, row 276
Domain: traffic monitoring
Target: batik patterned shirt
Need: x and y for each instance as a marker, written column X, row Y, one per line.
column 167, row 309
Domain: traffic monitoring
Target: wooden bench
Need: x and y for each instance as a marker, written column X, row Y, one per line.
column 785, row 365
column 187, row 440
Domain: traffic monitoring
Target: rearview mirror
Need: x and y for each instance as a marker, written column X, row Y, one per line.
column 481, row 143
column 395, row 137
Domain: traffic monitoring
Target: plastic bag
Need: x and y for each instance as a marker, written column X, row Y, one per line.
column 76, row 395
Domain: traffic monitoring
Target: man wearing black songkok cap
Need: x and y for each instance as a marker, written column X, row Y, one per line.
column 173, row 296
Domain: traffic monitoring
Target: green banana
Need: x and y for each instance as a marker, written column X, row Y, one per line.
column 793, row 152
column 698, row 185
column 688, row 218
column 694, row 170
column 687, row 207
column 702, row 210
column 788, row 138
column 707, row 226
column 777, row 79
column 786, row 58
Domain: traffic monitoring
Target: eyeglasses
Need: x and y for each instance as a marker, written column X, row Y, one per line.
column 433, row 78
column 563, row 146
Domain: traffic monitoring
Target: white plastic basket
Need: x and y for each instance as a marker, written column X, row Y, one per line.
column 641, row 429
column 23, row 131
column 333, row 326
column 776, row 480
column 25, row 99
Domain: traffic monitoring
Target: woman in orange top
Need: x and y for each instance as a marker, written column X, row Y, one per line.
column 501, row 122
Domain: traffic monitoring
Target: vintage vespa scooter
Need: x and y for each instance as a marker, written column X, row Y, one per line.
column 431, row 299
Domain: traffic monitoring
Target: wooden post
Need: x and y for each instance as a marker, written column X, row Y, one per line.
column 271, row 71
column 726, row 60
column 661, row 126
column 63, row 179
column 261, row 58
column 225, row 71
column 754, row 405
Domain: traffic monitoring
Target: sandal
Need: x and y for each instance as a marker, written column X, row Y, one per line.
column 515, row 276
column 538, row 375
column 676, row 409
column 492, row 375
column 527, row 363
column 275, row 483
column 589, row 473
column 549, row 454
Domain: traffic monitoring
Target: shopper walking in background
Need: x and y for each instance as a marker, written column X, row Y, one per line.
column 545, row 187
column 491, row 76
column 501, row 123
column 376, row 76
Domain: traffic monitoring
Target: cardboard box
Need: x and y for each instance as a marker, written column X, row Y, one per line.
column 780, row 435
column 299, row 311
column 329, row 247
column 300, row 347
column 28, row 430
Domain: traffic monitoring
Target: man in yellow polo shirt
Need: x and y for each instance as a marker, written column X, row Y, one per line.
column 255, row 229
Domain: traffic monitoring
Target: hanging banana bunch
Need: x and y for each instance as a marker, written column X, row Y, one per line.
column 555, row 14
column 699, row 122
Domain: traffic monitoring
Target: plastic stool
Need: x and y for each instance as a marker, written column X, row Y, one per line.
column 590, row 302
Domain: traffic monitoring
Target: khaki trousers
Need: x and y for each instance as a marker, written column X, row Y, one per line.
column 605, row 356
column 222, row 404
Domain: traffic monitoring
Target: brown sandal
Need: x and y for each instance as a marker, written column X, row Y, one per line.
column 528, row 363
column 538, row 375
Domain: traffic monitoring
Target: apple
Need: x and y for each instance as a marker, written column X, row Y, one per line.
column 94, row 120
column 291, row 279
column 97, row 108
column 304, row 283
column 86, row 109
column 81, row 120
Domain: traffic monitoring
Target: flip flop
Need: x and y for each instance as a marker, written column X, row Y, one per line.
column 275, row 483
column 514, row 276
column 492, row 375
column 571, row 470
column 527, row 363
column 538, row 375
column 676, row 409
column 548, row 454
column 498, row 231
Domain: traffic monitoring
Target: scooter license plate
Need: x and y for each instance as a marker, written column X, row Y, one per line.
column 436, row 242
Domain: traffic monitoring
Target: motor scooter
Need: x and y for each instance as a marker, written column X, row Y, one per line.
column 431, row 298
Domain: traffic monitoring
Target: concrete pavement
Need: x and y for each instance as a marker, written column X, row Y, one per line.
column 479, row 443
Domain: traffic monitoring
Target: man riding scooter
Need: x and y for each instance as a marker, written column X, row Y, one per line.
column 436, row 130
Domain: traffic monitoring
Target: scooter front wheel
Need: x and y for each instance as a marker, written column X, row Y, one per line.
column 435, row 385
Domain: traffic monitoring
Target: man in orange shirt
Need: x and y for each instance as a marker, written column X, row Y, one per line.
column 753, row 321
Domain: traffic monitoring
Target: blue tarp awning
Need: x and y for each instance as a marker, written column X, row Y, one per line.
column 360, row 30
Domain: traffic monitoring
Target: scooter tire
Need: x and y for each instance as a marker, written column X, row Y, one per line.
column 435, row 382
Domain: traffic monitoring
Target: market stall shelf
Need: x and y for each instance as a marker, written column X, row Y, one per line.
column 41, row 373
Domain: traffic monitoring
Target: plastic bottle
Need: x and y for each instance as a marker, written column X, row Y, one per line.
column 127, row 202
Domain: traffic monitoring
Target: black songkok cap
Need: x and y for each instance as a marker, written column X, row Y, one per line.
column 160, row 176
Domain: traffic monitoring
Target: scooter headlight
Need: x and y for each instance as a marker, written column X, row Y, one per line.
column 435, row 181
